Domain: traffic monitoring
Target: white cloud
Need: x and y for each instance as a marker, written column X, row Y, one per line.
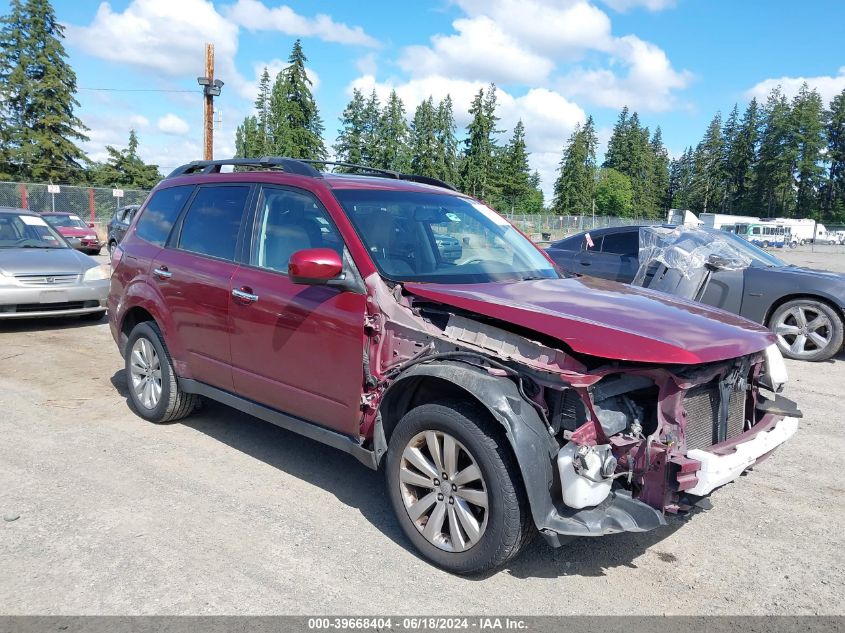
column 163, row 36
column 649, row 84
column 367, row 64
column 256, row 16
column 480, row 50
column 651, row 5
column 564, row 29
column 827, row 86
column 249, row 89
column 173, row 125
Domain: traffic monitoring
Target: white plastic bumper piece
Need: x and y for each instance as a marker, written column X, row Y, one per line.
column 717, row 470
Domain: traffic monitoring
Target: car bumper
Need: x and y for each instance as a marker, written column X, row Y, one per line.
column 26, row 303
column 719, row 469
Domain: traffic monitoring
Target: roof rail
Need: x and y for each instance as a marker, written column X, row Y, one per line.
column 389, row 173
column 289, row 165
column 299, row 166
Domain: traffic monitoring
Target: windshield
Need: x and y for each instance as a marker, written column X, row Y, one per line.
column 758, row 255
column 440, row 238
column 67, row 221
column 27, row 231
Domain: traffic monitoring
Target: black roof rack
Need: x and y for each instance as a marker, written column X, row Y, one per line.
column 389, row 173
column 301, row 167
column 289, row 165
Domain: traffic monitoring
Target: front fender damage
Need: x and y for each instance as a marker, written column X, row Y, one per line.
column 546, row 398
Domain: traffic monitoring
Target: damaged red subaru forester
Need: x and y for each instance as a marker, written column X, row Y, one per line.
column 413, row 327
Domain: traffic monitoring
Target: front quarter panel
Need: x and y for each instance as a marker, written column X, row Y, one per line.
column 767, row 287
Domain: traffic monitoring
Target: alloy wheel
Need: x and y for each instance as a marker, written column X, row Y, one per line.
column 804, row 330
column 145, row 373
column 444, row 491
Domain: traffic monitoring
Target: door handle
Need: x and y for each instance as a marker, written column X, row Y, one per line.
column 162, row 273
column 243, row 295
column 585, row 263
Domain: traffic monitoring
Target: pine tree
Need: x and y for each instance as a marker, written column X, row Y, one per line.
column 630, row 152
column 708, row 176
column 740, row 160
column 808, row 139
column 370, row 139
column 350, row 142
column 773, row 172
column 515, row 174
column 247, row 143
column 294, row 119
column 262, row 107
column 729, row 138
column 834, row 195
column 447, row 142
column 659, row 173
column 575, row 186
column 425, row 148
column 680, row 181
column 125, row 168
column 392, row 151
column 37, row 93
column 535, row 202
column 478, row 169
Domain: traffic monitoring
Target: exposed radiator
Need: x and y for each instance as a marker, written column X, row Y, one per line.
column 702, row 407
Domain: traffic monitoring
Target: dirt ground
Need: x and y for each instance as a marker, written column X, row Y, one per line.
column 222, row 513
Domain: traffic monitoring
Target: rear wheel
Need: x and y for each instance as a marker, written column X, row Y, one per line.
column 456, row 489
column 153, row 389
column 807, row 329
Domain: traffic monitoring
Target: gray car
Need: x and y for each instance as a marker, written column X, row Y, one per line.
column 805, row 308
column 42, row 276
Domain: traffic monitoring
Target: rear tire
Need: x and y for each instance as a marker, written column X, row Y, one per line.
column 153, row 388
column 471, row 538
column 807, row 329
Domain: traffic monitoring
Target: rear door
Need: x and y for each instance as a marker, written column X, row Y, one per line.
column 574, row 254
column 193, row 275
column 619, row 256
column 296, row 348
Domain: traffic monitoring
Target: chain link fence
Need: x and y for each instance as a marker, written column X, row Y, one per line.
column 92, row 204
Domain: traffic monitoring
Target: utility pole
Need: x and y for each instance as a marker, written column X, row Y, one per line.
column 210, row 88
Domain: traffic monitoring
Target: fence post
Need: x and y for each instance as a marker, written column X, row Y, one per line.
column 92, row 210
column 24, row 199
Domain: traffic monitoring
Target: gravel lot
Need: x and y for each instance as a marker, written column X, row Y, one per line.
column 225, row 514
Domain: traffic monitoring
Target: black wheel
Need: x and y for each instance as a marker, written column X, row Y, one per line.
column 93, row 251
column 807, row 329
column 112, row 246
column 766, row 244
column 153, row 390
column 93, row 316
column 456, row 489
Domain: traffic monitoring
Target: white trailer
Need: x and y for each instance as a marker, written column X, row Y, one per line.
column 804, row 230
column 718, row 220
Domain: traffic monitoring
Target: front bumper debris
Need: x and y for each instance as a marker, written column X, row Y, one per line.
column 718, row 470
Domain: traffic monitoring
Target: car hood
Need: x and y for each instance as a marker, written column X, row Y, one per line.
column 609, row 320
column 74, row 231
column 18, row 261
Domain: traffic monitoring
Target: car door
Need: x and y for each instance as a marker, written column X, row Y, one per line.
column 574, row 254
column 619, row 256
column 296, row 348
column 193, row 274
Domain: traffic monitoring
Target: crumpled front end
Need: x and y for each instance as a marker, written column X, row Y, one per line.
column 604, row 445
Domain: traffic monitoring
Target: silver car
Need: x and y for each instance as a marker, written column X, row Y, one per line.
column 42, row 276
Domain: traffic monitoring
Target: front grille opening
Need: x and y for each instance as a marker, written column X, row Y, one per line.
column 23, row 308
column 703, row 424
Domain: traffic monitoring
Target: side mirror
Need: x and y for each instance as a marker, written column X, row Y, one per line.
column 314, row 266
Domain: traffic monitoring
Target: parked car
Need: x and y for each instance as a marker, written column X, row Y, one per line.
column 499, row 397
column 118, row 224
column 42, row 276
column 804, row 307
column 81, row 236
column 450, row 247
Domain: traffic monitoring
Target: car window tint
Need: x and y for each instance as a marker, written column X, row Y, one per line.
column 569, row 244
column 287, row 222
column 625, row 243
column 160, row 214
column 213, row 220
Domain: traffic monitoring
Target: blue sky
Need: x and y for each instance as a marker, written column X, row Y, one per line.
column 674, row 61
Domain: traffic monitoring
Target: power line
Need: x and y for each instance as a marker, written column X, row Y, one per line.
column 137, row 90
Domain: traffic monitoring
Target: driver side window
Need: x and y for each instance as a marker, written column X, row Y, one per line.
column 289, row 221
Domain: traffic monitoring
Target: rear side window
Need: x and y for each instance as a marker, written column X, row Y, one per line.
column 161, row 212
column 213, row 220
column 627, row 243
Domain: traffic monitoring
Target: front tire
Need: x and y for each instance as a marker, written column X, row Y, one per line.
column 153, row 389
column 455, row 487
column 807, row 329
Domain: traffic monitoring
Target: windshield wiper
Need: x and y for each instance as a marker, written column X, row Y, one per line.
column 39, row 246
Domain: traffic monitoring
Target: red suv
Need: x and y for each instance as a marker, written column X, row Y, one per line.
column 499, row 396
